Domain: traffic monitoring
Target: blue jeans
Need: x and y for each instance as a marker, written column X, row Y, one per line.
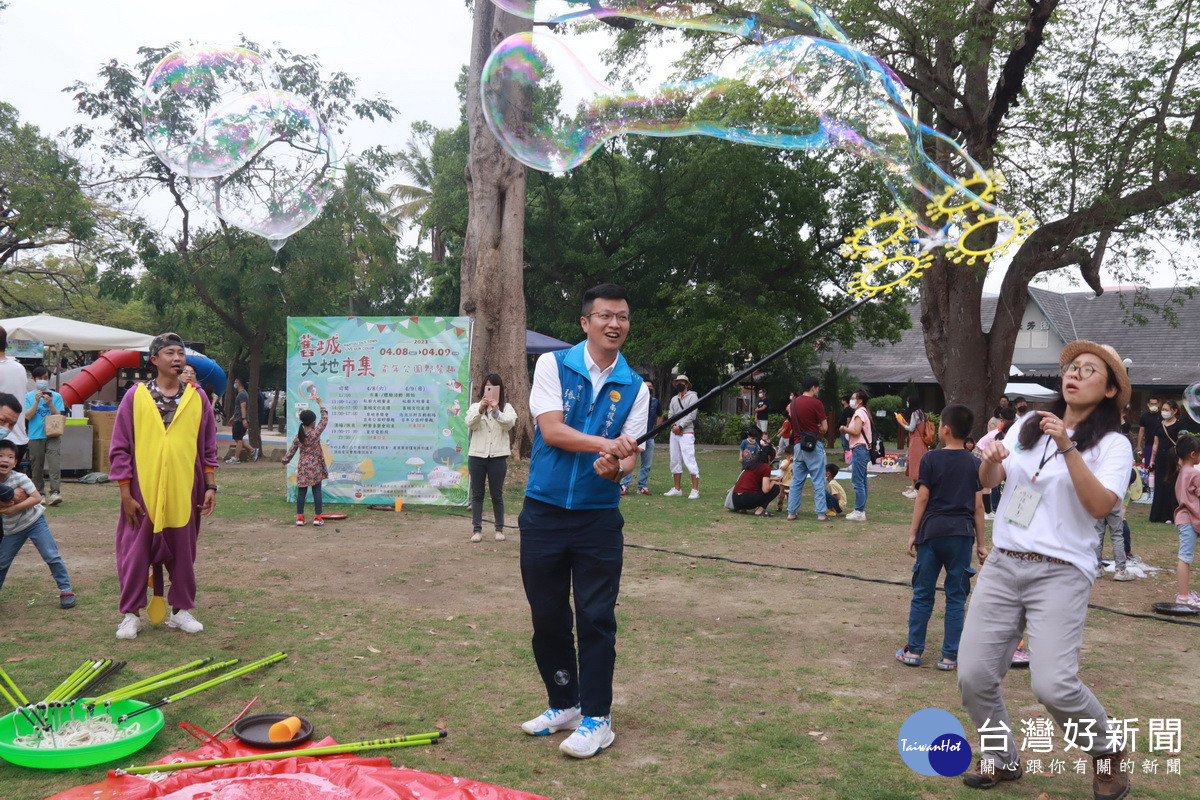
column 858, row 476
column 39, row 534
column 812, row 466
column 832, row 503
column 646, row 457
column 953, row 553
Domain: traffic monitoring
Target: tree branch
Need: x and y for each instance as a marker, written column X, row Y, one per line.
column 1012, row 74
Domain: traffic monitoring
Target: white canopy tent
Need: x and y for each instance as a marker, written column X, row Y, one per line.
column 1030, row 391
column 51, row 331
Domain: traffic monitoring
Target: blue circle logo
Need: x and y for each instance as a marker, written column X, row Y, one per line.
column 933, row 742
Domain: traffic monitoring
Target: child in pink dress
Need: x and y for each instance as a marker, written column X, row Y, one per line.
column 310, row 470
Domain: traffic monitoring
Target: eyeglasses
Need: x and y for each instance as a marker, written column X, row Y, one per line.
column 605, row 317
column 1084, row 371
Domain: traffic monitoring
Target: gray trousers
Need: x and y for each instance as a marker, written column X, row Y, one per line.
column 45, row 455
column 1047, row 603
column 493, row 469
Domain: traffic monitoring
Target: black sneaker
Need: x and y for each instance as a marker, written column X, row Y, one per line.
column 982, row 780
column 66, row 600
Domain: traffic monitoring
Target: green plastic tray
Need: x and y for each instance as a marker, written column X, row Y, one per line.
column 14, row 725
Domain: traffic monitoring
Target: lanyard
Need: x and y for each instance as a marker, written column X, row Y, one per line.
column 1045, row 458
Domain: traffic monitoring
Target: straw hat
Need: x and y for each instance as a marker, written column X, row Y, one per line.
column 684, row 378
column 1106, row 354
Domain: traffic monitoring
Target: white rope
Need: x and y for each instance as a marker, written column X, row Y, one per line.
column 99, row 729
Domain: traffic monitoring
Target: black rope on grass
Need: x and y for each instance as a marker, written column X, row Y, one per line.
column 853, row 577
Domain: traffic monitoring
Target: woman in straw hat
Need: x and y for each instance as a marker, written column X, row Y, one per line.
column 1062, row 469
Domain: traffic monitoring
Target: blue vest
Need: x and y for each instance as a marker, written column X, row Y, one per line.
column 566, row 479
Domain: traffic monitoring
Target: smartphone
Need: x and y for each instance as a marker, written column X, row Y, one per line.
column 491, row 392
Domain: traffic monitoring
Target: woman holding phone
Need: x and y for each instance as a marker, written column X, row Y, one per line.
column 489, row 420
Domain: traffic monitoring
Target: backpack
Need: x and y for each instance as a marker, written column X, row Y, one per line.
column 928, row 433
column 875, row 450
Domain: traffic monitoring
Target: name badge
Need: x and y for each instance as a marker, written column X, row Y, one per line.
column 1022, row 504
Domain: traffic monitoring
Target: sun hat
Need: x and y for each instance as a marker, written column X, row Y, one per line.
column 1109, row 356
column 683, row 378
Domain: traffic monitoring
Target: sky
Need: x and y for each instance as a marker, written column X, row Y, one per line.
column 409, row 52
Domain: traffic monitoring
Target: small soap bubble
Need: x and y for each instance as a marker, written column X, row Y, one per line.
column 1191, row 401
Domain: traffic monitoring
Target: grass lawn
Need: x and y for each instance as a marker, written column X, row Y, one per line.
column 773, row 678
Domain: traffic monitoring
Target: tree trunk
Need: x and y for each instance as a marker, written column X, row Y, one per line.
column 493, row 253
column 252, row 420
column 971, row 366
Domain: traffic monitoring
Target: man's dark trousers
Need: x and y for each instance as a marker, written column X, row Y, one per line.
column 561, row 547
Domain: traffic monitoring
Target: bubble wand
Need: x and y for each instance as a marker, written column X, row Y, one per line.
column 152, row 679
column 414, row 740
column 669, row 421
column 265, row 662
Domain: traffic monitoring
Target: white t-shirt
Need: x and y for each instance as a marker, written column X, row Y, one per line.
column 14, row 381
column 546, row 392
column 1061, row 526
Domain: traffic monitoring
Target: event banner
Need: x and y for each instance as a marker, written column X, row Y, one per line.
column 397, row 394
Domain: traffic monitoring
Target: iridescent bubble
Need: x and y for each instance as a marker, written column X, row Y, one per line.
column 797, row 92
column 1191, row 401
column 195, row 114
column 287, row 183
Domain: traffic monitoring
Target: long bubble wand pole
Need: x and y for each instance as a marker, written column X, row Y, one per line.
column 415, row 740
column 752, row 368
column 147, row 681
column 265, row 662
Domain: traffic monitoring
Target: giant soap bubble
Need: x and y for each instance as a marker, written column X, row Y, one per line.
column 1191, row 401
column 260, row 157
column 194, row 116
column 797, row 92
column 286, row 185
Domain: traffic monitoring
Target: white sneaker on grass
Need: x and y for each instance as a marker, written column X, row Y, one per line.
column 593, row 735
column 54, row 499
column 552, row 720
column 129, row 627
column 1124, row 575
column 673, row 493
column 911, row 494
column 694, row 494
column 184, row 621
column 857, row 516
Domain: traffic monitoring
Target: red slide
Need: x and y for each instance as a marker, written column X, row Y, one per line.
column 99, row 372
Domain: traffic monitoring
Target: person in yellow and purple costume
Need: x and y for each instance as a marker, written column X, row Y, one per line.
column 164, row 456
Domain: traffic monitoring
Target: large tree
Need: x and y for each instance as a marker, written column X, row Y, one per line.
column 222, row 269
column 1089, row 107
column 491, row 270
column 43, row 209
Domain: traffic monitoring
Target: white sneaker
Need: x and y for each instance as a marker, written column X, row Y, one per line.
column 857, row 516
column 552, row 720
column 129, row 627
column 673, row 493
column 593, row 735
column 911, row 494
column 233, row 461
column 254, row 454
column 1124, row 575
column 54, row 499
column 185, row 622
column 500, row 537
column 694, row 494
column 989, row 516
column 476, row 537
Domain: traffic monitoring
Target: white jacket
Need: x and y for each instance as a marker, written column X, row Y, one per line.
column 489, row 432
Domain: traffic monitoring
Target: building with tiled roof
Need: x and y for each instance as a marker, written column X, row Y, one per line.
column 1165, row 357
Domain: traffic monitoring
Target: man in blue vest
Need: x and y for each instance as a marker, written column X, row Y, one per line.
column 590, row 407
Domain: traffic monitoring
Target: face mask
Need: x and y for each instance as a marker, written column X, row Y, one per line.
column 1153, row 408
column 1022, row 409
column 853, row 403
column 4, row 432
column 1167, row 413
column 41, row 384
column 679, row 387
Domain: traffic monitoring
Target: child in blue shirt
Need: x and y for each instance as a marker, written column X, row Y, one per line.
column 25, row 520
column 947, row 523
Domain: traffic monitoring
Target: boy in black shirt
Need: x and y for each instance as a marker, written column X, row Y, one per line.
column 947, row 521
